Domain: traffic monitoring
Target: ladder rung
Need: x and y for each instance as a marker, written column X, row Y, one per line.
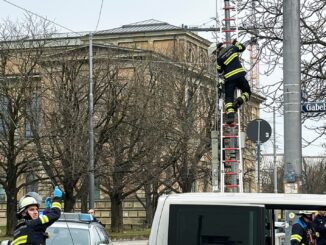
column 231, row 173
column 231, row 186
column 231, row 160
column 230, row 136
column 229, row 7
column 228, row 30
column 230, row 148
column 228, row 19
column 231, row 124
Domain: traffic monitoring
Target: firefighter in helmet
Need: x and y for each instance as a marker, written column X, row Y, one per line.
column 303, row 231
column 228, row 64
column 320, row 227
column 31, row 227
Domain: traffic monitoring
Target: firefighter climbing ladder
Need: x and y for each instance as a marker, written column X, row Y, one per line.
column 231, row 166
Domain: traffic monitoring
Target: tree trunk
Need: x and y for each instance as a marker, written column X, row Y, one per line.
column 187, row 186
column 69, row 200
column 11, row 193
column 83, row 202
column 84, row 197
column 116, row 212
column 187, row 179
column 11, row 211
column 151, row 197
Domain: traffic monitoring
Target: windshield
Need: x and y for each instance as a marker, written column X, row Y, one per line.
column 208, row 224
column 63, row 236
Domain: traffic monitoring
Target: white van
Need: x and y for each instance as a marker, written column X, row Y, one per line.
column 228, row 218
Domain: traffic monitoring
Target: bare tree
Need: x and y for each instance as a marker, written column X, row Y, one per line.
column 314, row 178
column 192, row 110
column 267, row 176
column 132, row 133
column 20, row 52
column 62, row 141
column 264, row 20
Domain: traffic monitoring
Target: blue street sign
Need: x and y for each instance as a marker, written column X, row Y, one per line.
column 314, row 107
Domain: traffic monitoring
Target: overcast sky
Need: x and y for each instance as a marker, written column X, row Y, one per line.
column 88, row 15
column 92, row 15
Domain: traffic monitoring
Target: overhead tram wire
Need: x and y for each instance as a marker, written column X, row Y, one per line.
column 30, row 12
column 99, row 16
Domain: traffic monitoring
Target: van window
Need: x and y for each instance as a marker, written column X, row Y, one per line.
column 215, row 225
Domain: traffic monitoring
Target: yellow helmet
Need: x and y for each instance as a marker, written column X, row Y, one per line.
column 25, row 202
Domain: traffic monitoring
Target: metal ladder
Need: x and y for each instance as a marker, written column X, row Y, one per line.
column 231, row 165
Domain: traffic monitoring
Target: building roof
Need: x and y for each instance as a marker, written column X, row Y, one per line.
column 142, row 26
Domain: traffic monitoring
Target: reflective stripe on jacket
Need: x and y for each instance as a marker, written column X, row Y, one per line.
column 32, row 231
column 228, row 62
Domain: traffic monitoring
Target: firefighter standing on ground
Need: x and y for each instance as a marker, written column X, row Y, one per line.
column 303, row 231
column 31, row 227
column 229, row 65
column 320, row 227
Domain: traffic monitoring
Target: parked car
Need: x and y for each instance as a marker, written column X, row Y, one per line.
column 77, row 229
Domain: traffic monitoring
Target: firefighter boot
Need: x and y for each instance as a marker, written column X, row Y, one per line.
column 229, row 112
column 237, row 103
column 240, row 100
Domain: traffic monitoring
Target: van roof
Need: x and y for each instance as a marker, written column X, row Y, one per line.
column 295, row 201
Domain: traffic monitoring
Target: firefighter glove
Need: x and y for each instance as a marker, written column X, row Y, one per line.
column 48, row 203
column 57, row 192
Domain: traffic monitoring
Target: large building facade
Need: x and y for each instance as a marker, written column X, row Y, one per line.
column 135, row 48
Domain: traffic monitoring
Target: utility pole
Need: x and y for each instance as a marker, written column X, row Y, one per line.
column 274, row 152
column 258, row 159
column 214, row 136
column 292, row 96
column 215, row 133
column 90, row 126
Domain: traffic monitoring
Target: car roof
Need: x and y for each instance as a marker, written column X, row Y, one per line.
column 75, row 220
column 70, row 224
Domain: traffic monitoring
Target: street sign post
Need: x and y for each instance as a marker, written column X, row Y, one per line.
column 258, row 131
column 314, row 106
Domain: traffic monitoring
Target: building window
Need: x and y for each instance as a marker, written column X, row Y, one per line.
column 33, row 110
column 2, row 194
column 4, row 104
column 190, row 55
column 193, row 186
column 31, row 186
